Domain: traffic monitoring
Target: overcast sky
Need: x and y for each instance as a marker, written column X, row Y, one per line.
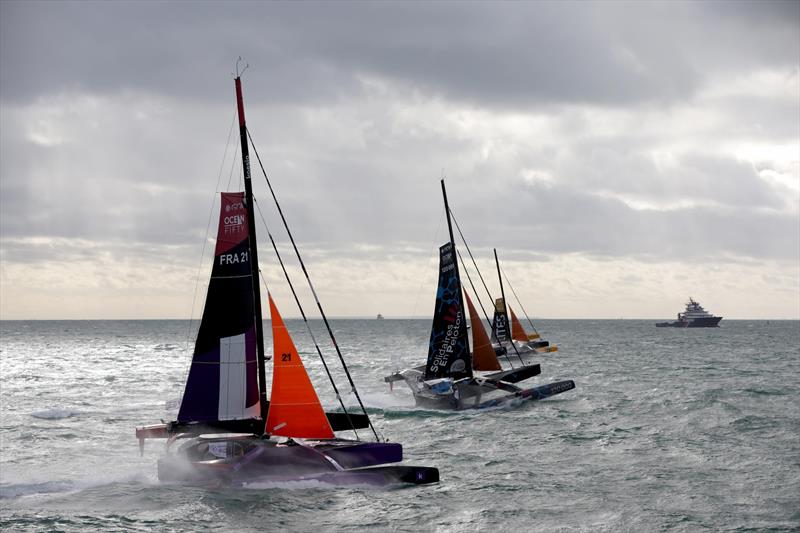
column 621, row 156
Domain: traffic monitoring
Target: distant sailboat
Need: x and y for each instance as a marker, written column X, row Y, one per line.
column 523, row 343
column 231, row 431
column 455, row 377
column 532, row 340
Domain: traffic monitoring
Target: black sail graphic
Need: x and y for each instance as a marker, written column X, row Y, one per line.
column 448, row 352
column 500, row 330
column 222, row 382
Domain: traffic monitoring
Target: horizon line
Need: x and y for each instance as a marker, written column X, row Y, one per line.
column 353, row 317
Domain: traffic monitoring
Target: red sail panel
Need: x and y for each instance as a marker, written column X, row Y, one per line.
column 232, row 223
column 517, row 331
column 294, row 409
column 483, row 356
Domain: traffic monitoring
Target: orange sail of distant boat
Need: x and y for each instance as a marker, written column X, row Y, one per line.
column 517, row 331
column 483, row 356
column 294, row 409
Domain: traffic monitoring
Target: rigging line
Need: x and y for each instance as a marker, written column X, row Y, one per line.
column 233, row 165
column 475, row 292
column 205, row 240
column 313, row 292
column 305, row 320
column 472, row 257
column 518, row 301
column 485, row 315
column 494, row 333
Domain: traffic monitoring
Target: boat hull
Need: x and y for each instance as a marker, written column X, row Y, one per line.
column 471, row 396
column 705, row 322
column 377, row 476
column 534, row 393
column 523, row 349
column 236, row 460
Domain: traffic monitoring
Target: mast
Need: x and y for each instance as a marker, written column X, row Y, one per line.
column 504, row 313
column 450, row 229
column 251, row 228
column 502, row 292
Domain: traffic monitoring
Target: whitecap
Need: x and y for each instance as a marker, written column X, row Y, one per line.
column 54, row 414
column 16, row 490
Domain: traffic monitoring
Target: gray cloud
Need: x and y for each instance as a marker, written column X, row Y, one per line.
column 656, row 132
column 496, row 54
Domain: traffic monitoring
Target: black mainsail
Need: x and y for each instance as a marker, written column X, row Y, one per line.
column 500, row 322
column 500, row 331
column 222, row 383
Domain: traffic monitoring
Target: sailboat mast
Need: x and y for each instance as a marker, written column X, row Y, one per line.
column 251, row 228
column 450, row 228
column 502, row 292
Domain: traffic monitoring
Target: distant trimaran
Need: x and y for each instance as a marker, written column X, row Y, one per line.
column 455, row 377
column 520, row 342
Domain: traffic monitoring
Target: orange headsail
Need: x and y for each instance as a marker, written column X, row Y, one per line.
column 294, row 409
column 517, row 331
column 483, row 356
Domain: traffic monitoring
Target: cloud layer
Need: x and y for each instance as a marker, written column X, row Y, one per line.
column 662, row 136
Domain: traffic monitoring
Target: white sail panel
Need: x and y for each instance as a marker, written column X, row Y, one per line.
column 233, row 380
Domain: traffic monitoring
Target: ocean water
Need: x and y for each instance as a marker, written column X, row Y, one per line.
column 667, row 430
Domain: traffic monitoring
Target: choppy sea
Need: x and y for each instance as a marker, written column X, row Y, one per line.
column 667, row 430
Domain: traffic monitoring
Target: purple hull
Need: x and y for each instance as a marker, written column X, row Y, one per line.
column 377, row 476
column 237, row 459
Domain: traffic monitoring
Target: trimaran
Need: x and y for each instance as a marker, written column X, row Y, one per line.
column 231, row 431
column 455, row 377
column 520, row 342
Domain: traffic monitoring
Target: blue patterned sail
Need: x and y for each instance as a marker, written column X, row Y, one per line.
column 448, row 352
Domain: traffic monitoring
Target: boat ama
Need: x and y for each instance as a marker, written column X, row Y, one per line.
column 228, row 430
column 453, row 376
